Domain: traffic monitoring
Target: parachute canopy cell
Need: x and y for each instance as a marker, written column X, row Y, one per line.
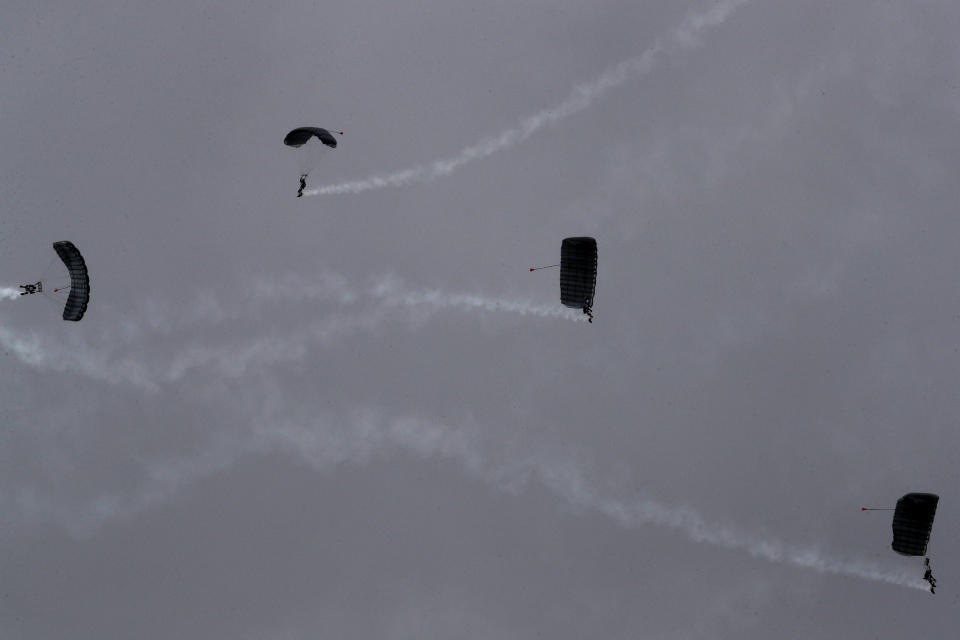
column 578, row 273
column 912, row 523
column 300, row 136
column 79, row 280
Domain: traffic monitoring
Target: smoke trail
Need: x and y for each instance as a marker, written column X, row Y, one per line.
column 338, row 441
column 6, row 293
column 116, row 357
column 335, row 441
column 565, row 478
column 74, row 357
column 391, row 292
column 684, row 37
column 358, row 310
column 694, row 527
column 327, row 445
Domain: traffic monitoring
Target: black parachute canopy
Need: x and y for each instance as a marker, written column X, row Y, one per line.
column 578, row 273
column 300, row 136
column 912, row 523
column 79, row 280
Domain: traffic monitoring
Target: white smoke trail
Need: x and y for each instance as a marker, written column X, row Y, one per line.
column 96, row 363
column 325, row 446
column 358, row 310
column 695, row 528
column 6, row 293
column 357, row 439
column 116, row 357
column 391, row 292
column 685, row 37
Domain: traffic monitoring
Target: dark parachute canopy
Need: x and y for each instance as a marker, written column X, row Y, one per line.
column 79, row 280
column 301, row 135
column 912, row 523
column 578, row 273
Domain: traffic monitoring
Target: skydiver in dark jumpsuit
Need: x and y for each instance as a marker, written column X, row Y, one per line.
column 303, row 185
column 928, row 575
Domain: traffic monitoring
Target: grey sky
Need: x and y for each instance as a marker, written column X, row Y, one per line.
column 359, row 416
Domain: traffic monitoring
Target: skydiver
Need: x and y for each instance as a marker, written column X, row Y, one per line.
column 303, row 185
column 928, row 575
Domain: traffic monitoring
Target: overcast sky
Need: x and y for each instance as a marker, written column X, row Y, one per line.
column 358, row 415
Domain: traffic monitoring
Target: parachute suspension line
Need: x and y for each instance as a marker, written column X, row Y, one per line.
column 547, row 267
column 46, row 269
column 57, row 284
column 875, row 509
column 51, row 299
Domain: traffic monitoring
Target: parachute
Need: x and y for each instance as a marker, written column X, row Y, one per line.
column 301, row 135
column 578, row 274
column 913, row 522
column 79, row 280
column 79, row 286
column 312, row 144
